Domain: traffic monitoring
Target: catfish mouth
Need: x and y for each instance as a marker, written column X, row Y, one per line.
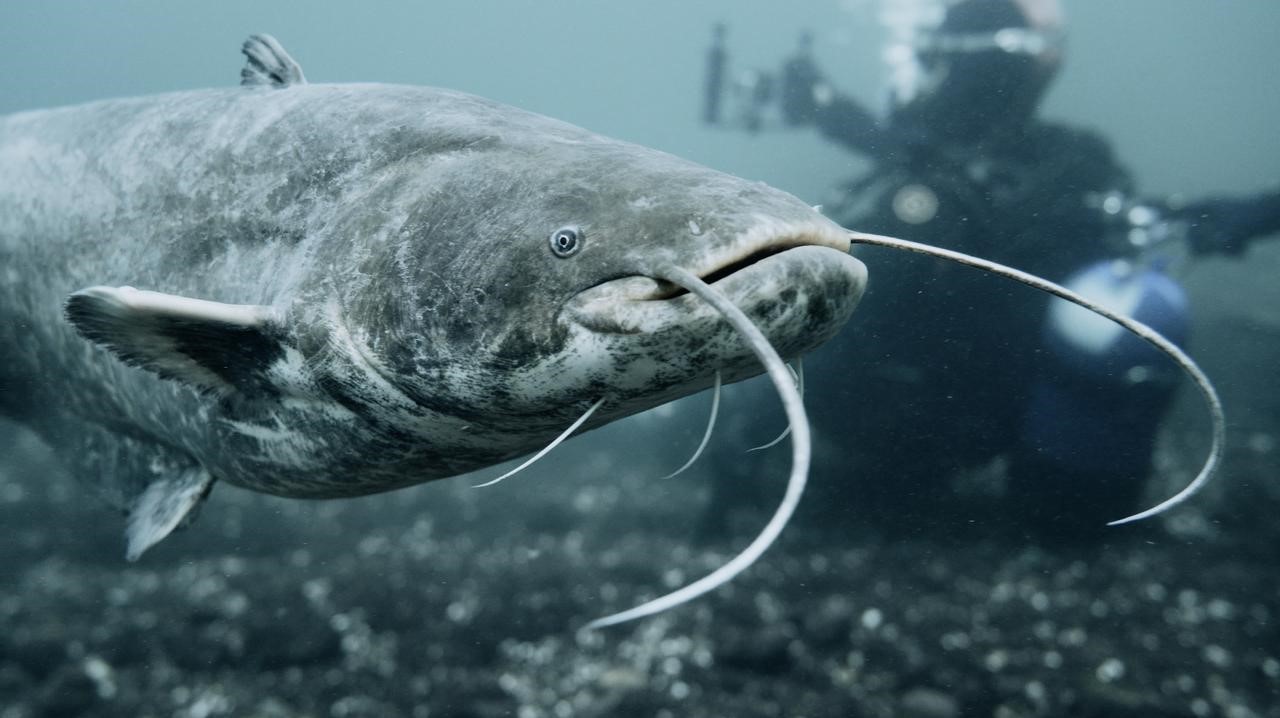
column 672, row 291
column 640, row 303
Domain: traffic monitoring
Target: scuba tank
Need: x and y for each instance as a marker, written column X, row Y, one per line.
column 1100, row 391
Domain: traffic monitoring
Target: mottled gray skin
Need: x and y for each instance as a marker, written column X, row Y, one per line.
column 420, row 325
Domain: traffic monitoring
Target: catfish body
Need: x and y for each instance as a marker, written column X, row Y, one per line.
column 346, row 289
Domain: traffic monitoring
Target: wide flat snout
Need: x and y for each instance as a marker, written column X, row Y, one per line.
column 799, row 297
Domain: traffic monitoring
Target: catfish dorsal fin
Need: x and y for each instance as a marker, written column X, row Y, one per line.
column 269, row 64
column 212, row 346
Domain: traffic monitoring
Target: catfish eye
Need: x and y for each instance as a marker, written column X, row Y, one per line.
column 566, row 241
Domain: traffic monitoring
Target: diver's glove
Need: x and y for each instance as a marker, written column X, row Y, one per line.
column 1226, row 225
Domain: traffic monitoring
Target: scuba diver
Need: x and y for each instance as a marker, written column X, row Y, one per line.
column 947, row 377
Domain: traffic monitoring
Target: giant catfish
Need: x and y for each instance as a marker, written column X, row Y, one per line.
column 348, row 289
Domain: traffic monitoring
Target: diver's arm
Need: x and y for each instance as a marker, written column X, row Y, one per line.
column 1227, row 225
column 807, row 97
column 846, row 122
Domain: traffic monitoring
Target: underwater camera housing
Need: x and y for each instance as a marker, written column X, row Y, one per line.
column 753, row 99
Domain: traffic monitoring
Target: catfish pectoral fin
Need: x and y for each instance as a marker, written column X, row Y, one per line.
column 215, row 347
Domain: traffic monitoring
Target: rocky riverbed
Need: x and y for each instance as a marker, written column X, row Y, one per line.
column 448, row 601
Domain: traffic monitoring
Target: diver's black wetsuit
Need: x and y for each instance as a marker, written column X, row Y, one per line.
column 937, row 371
column 940, row 359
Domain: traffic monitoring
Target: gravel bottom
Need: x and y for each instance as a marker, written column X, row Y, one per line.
column 448, row 601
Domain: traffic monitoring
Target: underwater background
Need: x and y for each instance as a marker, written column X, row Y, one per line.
column 442, row 600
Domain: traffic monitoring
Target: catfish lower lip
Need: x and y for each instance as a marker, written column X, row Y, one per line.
column 633, row 305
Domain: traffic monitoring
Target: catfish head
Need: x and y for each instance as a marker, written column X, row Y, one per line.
column 531, row 276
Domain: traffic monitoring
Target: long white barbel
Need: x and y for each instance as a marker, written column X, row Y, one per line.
column 1150, row 335
column 801, row 447
column 706, row 435
column 547, row 449
column 799, row 377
